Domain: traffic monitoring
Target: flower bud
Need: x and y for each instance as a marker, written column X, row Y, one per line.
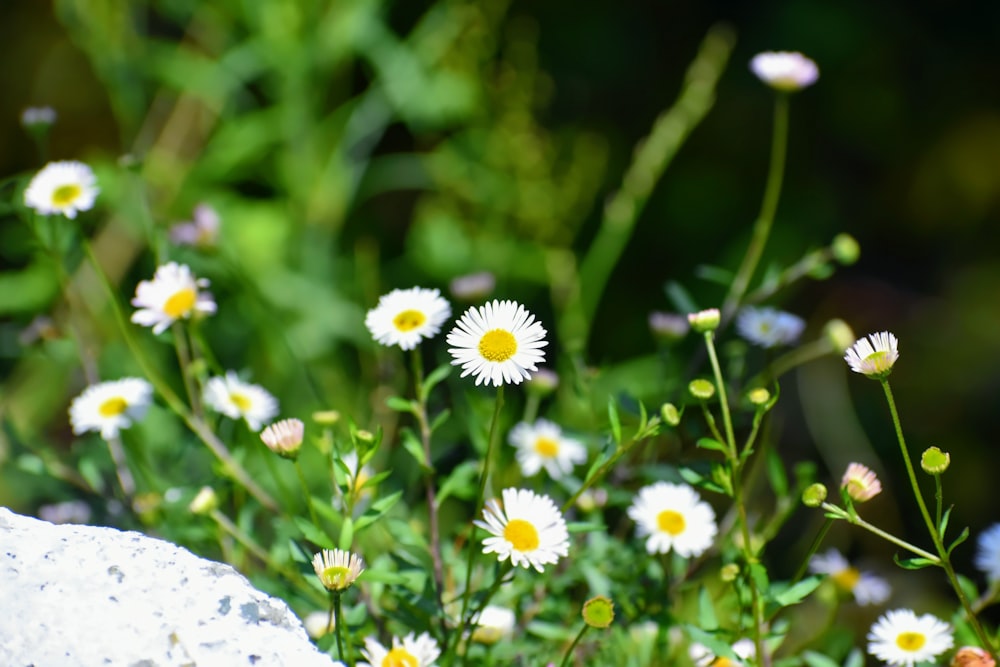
column 759, row 396
column 839, row 334
column 204, row 502
column 598, row 612
column 934, row 461
column 814, row 495
column 705, row 320
column 845, row 249
column 284, row 438
column 972, row 656
column 701, row 389
column 670, row 414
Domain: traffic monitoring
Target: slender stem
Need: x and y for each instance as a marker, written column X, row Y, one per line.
column 813, row 548
column 720, row 387
column 569, row 651
column 184, row 361
column 308, row 496
column 226, row 524
column 854, row 519
column 338, row 624
column 125, row 478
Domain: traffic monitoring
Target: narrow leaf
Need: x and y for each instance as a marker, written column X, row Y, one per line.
column 616, row 425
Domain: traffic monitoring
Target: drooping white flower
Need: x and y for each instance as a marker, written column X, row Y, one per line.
column 409, row 651
column 498, row 342
column 867, row 588
column 786, row 71
column 231, row 396
column 109, row 407
column 769, row 327
column 673, row 516
column 543, row 445
column 173, row 294
column 66, row 187
column 406, row 317
column 528, row 529
column 873, row 356
column 901, row 638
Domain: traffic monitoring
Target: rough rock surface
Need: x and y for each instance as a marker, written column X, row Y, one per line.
column 83, row 595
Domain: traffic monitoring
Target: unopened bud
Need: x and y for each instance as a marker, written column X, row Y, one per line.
column 814, row 495
column 845, row 249
column 839, row 334
column 759, row 396
column 705, row 320
column 934, row 461
column 701, row 389
column 598, row 612
column 670, row 414
column 204, row 502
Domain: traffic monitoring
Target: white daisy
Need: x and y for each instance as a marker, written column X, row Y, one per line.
column 542, row 444
column 284, row 438
column 410, row 651
column 899, row 637
column 873, row 356
column 529, row 529
column 702, row 656
column 62, row 187
column 337, row 569
column 404, row 317
column 784, row 70
column 988, row 553
column 237, row 399
column 498, row 342
column 109, row 407
column 173, row 294
column 674, row 517
column 866, row 587
column 769, row 327
column 493, row 623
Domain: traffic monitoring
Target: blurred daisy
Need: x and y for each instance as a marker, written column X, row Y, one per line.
column 988, row 553
column 284, row 438
column 673, row 516
column 873, row 356
column 319, row 623
column 62, row 187
column 202, row 231
column 473, row 287
column 337, row 569
column 866, row 588
column 33, row 117
column 68, row 511
column 237, row 399
column 860, row 483
column 702, row 656
column 173, row 294
column 410, row 651
column 109, row 407
column 899, row 637
column 784, row 70
column 768, row 327
column 542, row 444
column 493, row 624
column 498, row 342
column 404, row 317
column 529, row 529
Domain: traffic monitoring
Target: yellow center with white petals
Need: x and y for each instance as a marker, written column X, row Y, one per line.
column 241, row 401
column 113, row 407
column 497, row 345
column 335, row 577
column 65, row 195
column 546, row 447
column 911, row 641
column 180, row 302
column 670, row 522
column 408, row 320
column 521, row 534
column 400, row 657
column 847, row 578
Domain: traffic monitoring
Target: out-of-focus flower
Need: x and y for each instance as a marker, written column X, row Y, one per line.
column 498, row 343
column 109, row 407
column 860, row 483
column 900, row 637
column 319, row 623
column 769, row 327
column 284, row 438
column 786, row 71
column 972, row 656
column 34, row 117
column 66, row 187
column 988, row 553
column 673, row 516
column 867, row 588
column 668, row 327
column 493, row 624
column 543, row 445
column 69, row 511
column 173, row 294
column 202, row 231
column 237, row 399
column 528, row 529
column 702, row 656
column 473, row 286
column 410, row 651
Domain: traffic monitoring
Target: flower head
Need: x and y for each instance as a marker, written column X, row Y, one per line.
column 237, row 399
column 873, row 359
column 337, row 569
column 988, row 553
column 528, row 528
column 410, row 651
column 668, row 327
column 899, row 637
column 173, row 294
column 202, row 231
column 768, row 327
column 860, row 483
column 284, row 438
column 784, row 70
column 702, row 656
column 673, row 516
column 867, row 588
column 493, row 624
column 62, row 187
column 109, row 407
column 599, row 612
column 473, row 286
column 498, row 342
column 405, row 317
column 542, row 444
column 705, row 320
column 972, row 656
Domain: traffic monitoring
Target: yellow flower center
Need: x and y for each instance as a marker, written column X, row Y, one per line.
column 240, row 401
column 335, row 576
column 180, row 303
column 408, row 320
column 847, row 578
column 910, row 641
column 113, row 407
column 671, row 522
column 400, row 657
column 521, row 534
column 65, row 195
column 546, row 447
column 723, row 662
column 497, row 345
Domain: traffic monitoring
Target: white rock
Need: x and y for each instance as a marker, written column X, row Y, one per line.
column 83, row 595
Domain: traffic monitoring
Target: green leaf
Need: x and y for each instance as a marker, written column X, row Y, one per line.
column 697, row 479
column 680, row 298
column 585, row 527
column 798, row 592
column 313, row 533
column 558, row 632
column 706, row 611
column 415, row 448
column 916, row 563
column 346, row 534
column 435, row 377
column 616, row 425
column 963, row 536
column 378, row 508
column 776, row 474
column 401, row 404
column 712, row 443
column 460, row 482
column 439, row 419
column 943, row 526
column 813, row 659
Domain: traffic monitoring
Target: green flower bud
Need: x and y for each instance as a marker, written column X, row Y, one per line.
column 839, row 334
column 705, row 320
column 701, row 389
column 598, row 612
column 729, row 572
column 670, row 414
column 845, row 249
column 934, row 461
column 814, row 495
column 759, row 396
column 204, row 502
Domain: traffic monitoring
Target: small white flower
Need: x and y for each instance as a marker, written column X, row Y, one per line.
column 173, row 294
column 62, row 187
column 284, row 438
column 768, row 327
column 493, row 624
column 784, row 70
column 202, row 231
column 68, row 511
column 38, row 116
column 319, row 623
column 867, row 588
column 542, row 444
column 702, row 656
column 498, row 342
column 109, row 407
column 240, row 400
column 899, row 637
column 673, row 516
column 404, row 317
column 988, row 553
column 860, row 483
column 410, row 651
column 873, row 356
column 337, row 569
column 529, row 529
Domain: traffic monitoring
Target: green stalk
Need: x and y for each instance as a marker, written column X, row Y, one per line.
column 569, row 651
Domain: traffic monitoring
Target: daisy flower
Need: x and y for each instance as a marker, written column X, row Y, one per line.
column 529, row 529
column 404, row 317
column 337, row 569
column 768, row 327
column 860, row 483
column 498, row 342
column 62, row 187
column 899, row 637
column 237, row 399
column 173, row 294
column 784, row 70
column 109, row 407
column 873, row 356
column 702, row 656
column 673, row 516
column 988, row 553
column 493, row 624
column 866, row 588
column 284, row 438
column 542, row 444
column 410, row 651
column 38, row 117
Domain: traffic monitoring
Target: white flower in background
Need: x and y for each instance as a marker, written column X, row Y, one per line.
column 404, row 317
column 319, row 623
column 493, row 624
column 498, row 342
column 38, row 117
column 866, row 587
column 702, row 656
column 109, row 407
column 237, row 399
column 988, row 553
column 66, row 188
column 873, row 356
column 542, row 444
column 68, row 511
column 769, row 327
column 473, row 287
column 410, row 651
column 529, row 529
column 899, row 637
column 786, row 71
column 202, row 231
column 173, row 294
column 673, row 516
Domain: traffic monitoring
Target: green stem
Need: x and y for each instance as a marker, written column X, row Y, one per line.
column 305, row 491
column 853, row 519
column 338, row 618
column 569, row 651
column 184, row 361
column 813, row 548
column 720, row 387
